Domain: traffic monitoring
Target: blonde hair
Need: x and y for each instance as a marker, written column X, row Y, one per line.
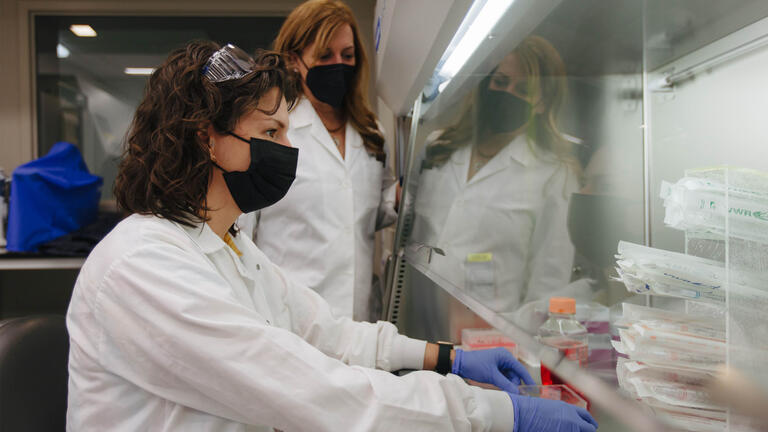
column 545, row 71
column 317, row 21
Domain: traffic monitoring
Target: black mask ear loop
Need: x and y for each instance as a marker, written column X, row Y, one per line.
column 302, row 62
column 239, row 137
column 303, row 78
column 213, row 158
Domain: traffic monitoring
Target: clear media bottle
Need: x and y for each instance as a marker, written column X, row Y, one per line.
column 562, row 332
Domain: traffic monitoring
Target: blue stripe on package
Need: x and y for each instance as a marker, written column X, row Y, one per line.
column 51, row 196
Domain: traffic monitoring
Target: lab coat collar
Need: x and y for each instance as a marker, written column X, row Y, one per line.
column 354, row 145
column 519, row 149
column 204, row 237
column 210, row 243
column 516, row 151
column 304, row 115
column 460, row 164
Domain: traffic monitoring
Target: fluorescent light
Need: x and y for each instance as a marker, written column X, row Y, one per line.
column 139, row 70
column 82, row 30
column 62, row 51
column 477, row 29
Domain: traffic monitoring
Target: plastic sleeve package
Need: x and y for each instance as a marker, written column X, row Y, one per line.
column 676, row 397
column 697, row 204
column 656, row 338
column 691, row 337
column 670, row 386
column 673, row 394
column 717, row 415
column 651, row 351
column 691, row 419
column 674, row 329
column 677, row 414
column 646, row 270
column 671, row 358
column 634, row 313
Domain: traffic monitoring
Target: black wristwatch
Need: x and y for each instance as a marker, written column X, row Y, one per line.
column 443, row 357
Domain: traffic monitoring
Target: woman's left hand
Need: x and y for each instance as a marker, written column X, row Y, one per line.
column 495, row 366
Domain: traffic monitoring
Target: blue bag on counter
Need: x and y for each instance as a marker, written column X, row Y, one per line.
column 51, row 196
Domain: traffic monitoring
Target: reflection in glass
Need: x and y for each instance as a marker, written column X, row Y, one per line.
column 494, row 187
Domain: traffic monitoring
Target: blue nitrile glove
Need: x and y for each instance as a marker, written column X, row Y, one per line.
column 535, row 414
column 495, row 366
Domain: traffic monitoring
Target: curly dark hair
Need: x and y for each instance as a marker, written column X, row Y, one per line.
column 166, row 167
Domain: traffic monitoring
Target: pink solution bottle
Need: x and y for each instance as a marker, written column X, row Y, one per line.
column 563, row 333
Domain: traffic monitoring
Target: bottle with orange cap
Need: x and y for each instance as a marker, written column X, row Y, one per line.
column 562, row 332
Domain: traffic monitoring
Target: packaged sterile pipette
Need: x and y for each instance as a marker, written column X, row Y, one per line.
column 703, row 205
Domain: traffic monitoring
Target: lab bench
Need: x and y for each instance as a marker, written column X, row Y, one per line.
column 36, row 285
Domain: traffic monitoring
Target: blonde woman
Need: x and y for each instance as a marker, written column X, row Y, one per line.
column 322, row 232
column 494, row 187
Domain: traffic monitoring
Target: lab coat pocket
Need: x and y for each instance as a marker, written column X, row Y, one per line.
column 480, row 276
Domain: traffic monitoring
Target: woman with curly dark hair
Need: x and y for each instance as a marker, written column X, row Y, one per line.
column 177, row 323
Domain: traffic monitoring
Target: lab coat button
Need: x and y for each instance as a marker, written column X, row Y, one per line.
column 258, row 266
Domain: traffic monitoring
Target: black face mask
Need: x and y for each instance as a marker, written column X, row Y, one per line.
column 500, row 111
column 268, row 177
column 330, row 83
column 597, row 222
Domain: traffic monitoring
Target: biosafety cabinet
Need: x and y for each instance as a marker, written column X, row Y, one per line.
column 614, row 152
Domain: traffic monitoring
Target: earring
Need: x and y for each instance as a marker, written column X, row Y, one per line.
column 210, row 151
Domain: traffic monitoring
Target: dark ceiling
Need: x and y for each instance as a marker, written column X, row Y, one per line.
column 151, row 34
column 137, row 41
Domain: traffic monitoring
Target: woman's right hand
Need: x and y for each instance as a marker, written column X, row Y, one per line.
column 536, row 414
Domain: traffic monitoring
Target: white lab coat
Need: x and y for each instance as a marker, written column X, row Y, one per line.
column 322, row 232
column 514, row 208
column 170, row 330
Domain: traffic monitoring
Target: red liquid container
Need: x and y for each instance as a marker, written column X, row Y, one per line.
column 573, row 350
column 563, row 333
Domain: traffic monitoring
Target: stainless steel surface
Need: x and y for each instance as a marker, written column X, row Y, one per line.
column 391, row 309
column 40, row 263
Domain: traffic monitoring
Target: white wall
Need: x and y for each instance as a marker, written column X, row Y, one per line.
column 15, row 121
